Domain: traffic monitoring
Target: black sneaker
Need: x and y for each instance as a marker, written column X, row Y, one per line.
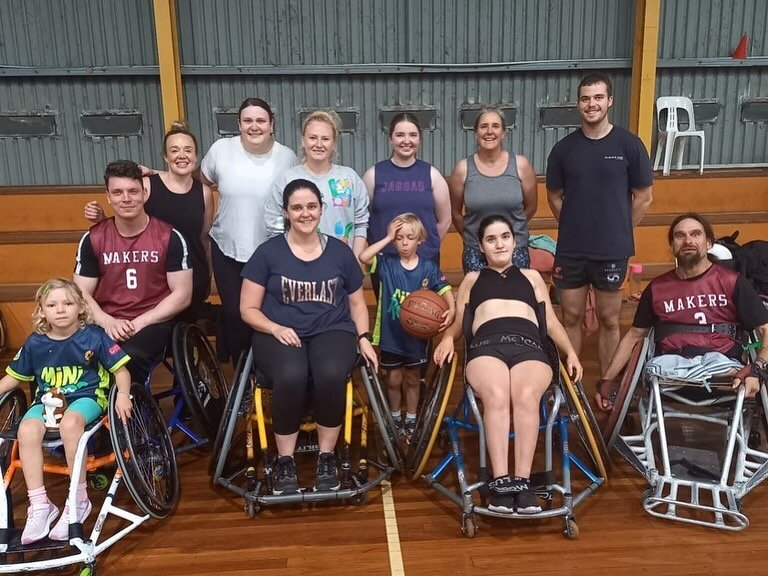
column 527, row 503
column 327, row 472
column 503, row 491
column 409, row 428
column 286, row 481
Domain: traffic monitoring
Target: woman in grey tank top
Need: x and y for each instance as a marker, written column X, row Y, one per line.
column 492, row 181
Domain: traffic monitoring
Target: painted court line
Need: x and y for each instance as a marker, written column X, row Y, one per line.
column 393, row 536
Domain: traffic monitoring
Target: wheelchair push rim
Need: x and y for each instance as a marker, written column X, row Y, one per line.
column 430, row 418
column 386, row 429
column 145, row 454
column 13, row 405
column 202, row 382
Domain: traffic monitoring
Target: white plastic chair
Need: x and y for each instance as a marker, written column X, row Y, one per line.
column 668, row 137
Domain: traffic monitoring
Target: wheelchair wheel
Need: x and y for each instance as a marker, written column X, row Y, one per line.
column 386, row 430
column 202, row 381
column 237, row 409
column 3, row 332
column 145, row 454
column 585, row 423
column 13, row 405
column 429, row 419
column 631, row 376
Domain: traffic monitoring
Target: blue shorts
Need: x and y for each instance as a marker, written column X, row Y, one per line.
column 88, row 407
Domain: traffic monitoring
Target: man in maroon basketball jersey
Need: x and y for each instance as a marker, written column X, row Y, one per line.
column 134, row 271
column 694, row 309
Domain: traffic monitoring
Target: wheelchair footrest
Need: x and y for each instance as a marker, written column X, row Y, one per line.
column 694, row 463
column 46, row 544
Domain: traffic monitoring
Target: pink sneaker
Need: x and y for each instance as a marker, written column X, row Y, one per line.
column 61, row 530
column 38, row 523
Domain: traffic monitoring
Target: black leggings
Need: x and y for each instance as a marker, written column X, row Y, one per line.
column 233, row 334
column 146, row 349
column 328, row 357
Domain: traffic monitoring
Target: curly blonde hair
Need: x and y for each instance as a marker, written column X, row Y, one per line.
column 39, row 324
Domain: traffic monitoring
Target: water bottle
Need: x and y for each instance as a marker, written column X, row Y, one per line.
column 635, row 281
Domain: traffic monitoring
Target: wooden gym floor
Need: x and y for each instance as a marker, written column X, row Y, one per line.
column 210, row 534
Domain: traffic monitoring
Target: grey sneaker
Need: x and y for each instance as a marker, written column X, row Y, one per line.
column 327, row 472
column 286, row 481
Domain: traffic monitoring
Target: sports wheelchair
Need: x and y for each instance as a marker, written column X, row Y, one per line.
column 234, row 463
column 199, row 389
column 142, row 457
column 693, row 441
column 564, row 408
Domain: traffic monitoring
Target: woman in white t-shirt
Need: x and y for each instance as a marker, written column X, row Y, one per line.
column 243, row 169
column 345, row 198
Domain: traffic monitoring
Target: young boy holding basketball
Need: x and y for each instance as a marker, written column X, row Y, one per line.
column 403, row 356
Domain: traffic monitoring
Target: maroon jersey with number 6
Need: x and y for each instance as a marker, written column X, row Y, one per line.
column 131, row 270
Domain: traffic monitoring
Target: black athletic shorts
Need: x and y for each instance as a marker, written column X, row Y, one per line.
column 605, row 275
column 391, row 361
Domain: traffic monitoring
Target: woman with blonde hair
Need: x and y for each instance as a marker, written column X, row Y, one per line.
column 345, row 199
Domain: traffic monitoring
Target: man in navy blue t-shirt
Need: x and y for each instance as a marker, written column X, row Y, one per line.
column 599, row 187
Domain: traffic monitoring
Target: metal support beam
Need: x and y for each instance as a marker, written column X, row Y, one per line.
column 169, row 61
column 645, row 51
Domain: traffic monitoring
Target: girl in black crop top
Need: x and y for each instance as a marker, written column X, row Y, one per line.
column 506, row 315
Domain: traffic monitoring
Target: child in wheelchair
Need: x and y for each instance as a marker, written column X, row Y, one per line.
column 403, row 356
column 72, row 361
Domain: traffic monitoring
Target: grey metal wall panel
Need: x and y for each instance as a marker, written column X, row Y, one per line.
column 445, row 92
column 318, row 32
column 712, row 28
column 76, row 33
column 70, row 157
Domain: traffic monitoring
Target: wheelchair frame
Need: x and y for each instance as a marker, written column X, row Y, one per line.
column 198, row 385
column 127, row 451
column 555, row 418
column 748, row 467
column 246, row 403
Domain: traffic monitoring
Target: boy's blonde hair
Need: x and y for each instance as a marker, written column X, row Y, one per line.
column 39, row 323
column 410, row 219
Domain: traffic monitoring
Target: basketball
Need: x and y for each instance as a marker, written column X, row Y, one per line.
column 421, row 313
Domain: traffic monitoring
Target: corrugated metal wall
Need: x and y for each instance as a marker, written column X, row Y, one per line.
column 67, row 57
column 72, row 56
column 226, row 48
column 707, row 32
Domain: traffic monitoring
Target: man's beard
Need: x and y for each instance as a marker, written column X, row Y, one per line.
column 690, row 259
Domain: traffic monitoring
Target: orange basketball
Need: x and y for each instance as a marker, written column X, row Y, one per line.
column 421, row 313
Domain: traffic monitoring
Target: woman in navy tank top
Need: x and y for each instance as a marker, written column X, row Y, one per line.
column 403, row 183
column 505, row 315
column 183, row 202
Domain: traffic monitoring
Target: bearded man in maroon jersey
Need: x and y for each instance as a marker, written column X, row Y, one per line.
column 700, row 303
column 134, row 271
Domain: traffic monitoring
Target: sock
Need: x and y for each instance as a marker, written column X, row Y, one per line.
column 409, row 416
column 38, row 498
column 397, row 415
column 82, row 492
column 521, row 480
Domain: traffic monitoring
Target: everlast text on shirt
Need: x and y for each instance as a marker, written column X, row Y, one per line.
column 304, row 291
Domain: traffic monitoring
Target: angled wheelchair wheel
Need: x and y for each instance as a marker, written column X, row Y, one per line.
column 233, row 421
column 13, row 405
column 145, row 454
column 3, row 333
column 632, row 374
column 386, row 430
column 585, row 423
column 430, row 418
column 202, row 381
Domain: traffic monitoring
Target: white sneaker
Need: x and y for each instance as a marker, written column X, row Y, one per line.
column 38, row 523
column 61, row 530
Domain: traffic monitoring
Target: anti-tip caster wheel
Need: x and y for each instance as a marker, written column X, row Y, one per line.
column 88, row 570
column 570, row 528
column 469, row 525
